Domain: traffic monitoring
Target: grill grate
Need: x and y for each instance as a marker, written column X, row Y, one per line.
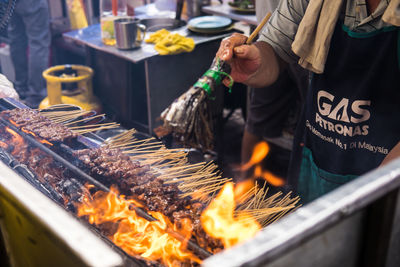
column 64, row 155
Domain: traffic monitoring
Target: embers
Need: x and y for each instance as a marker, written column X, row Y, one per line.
column 39, row 169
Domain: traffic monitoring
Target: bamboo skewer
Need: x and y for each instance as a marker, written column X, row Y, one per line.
column 258, row 29
column 86, row 119
column 200, row 181
column 93, row 125
column 96, row 129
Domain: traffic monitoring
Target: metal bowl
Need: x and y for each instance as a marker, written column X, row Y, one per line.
column 155, row 24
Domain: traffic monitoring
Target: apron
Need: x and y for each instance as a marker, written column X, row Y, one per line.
column 352, row 111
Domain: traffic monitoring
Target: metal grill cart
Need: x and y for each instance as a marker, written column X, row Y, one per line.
column 356, row 225
column 38, row 232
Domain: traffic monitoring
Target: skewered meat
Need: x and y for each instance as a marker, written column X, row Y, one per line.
column 133, row 178
column 136, row 180
column 112, row 167
column 38, row 124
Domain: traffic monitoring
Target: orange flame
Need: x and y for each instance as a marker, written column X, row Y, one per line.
column 16, row 137
column 3, row 145
column 13, row 123
column 260, row 151
column 43, row 141
column 243, row 187
column 17, row 140
column 89, row 186
column 268, row 176
column 218, row 219
column 136, row 235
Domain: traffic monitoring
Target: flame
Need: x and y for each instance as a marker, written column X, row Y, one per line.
column 15, row 137
column 268, row 176
column 3, row 145
column 89, row 186
column 43, row 141
column 218, row 219
column 13, row 123
column 260, row 151
column 136, row 235
column 17, row 140
column 243, row 187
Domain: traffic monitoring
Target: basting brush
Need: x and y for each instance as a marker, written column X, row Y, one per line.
column 189, row 117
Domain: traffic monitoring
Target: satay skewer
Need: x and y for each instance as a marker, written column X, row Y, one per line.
column 258, row 29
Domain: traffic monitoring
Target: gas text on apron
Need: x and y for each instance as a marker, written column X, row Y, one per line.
column 352, row 111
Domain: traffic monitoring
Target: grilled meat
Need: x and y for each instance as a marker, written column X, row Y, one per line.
column 33, row 121
column 136, row 180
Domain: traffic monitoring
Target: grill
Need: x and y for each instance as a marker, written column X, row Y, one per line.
column 55, row 170
column 79, row 243
column 355, row 225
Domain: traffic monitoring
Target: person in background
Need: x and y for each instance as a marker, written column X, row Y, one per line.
column 29, row 34
column 350, row 121
column 7, row 89
column 273, row 111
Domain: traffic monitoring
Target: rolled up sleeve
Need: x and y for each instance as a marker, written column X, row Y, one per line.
column 282, row 27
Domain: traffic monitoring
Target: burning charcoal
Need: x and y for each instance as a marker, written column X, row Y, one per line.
column 73, row 189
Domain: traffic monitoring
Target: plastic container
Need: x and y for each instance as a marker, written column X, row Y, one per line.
column 109, row 11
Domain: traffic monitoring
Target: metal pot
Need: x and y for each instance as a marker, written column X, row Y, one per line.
column 155, row 24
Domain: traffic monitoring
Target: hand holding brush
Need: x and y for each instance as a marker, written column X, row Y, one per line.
column 244, row 59
column 189, row 117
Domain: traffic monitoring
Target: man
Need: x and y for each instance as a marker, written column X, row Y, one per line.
column 273, row 111
column 350, row 121
column 29, row 34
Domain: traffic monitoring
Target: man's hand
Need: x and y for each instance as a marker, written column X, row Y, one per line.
column 255, row 65
column 243, row 59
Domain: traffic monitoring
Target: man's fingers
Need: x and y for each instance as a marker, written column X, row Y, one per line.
column 226, row 81
column 246, row 51
column 225, row 51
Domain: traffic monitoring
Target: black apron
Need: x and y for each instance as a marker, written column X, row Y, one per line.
column 352, row 111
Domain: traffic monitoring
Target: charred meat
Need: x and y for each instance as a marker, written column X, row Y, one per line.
column 136, row 180
column 32, row 121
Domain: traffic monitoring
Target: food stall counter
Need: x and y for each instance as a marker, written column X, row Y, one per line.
column 135, row 86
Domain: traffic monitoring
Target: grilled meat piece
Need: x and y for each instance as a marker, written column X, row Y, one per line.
column 33, row 121
column 136, row 180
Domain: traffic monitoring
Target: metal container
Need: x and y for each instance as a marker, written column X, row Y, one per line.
column 357, row 224
column 194, row 7
column 38, row 232
column 129, row 33
column 155, row 24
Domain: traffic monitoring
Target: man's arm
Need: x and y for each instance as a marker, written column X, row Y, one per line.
column 258, row 65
